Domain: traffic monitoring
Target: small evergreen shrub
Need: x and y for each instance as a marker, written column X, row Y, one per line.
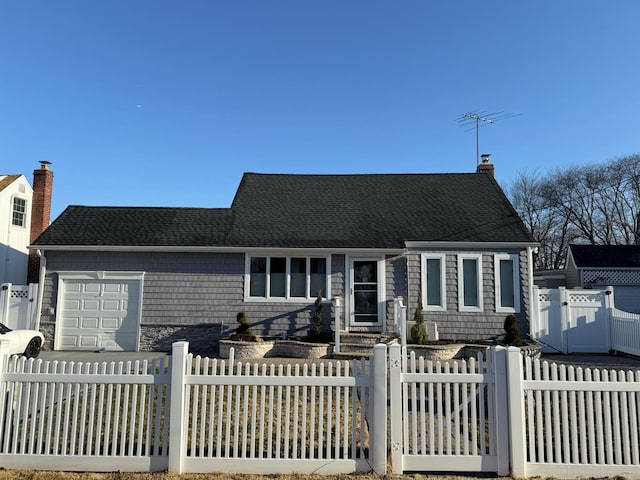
column 419, row 329
column 243, row 327
column 315, row 332
column 511, row 331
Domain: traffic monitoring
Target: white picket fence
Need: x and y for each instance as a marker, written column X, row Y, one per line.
column 502, row 414
column 193, row 415
column 625, row 332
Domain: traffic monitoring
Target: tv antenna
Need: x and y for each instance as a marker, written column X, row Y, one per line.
column 478, row 119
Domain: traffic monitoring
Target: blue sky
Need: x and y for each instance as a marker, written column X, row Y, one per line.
column 167, row 103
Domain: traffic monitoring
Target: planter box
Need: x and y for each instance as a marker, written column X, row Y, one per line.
column 275, row 348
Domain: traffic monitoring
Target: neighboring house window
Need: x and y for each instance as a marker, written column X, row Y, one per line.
column 507, row 285
column 287, row 277
column 470, row 283
column 433, row 281
column 19, row 212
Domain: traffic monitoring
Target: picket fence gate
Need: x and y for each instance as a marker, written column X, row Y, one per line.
column 504, row 413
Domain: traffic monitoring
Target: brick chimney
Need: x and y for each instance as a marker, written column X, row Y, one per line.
column 40, row 214
column 486, row 166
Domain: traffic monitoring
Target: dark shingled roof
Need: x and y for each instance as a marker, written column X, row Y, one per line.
column 138, row 226
column 312, row 211
column 606, row 256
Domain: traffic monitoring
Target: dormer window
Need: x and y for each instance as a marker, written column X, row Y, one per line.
column 18, row 217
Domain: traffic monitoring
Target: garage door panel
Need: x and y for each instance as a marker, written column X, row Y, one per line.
column 91, row 288
column 89, row 341
column 112, row 306
column 68, row 341
column 100, row 314
column 111, row 323
column 89, row 322
column 90, row 305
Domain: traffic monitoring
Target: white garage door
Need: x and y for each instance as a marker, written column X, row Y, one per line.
column 627, row 298
column 99, row 313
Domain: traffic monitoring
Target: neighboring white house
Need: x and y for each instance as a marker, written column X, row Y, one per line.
column 24, row 214
column 15, row 227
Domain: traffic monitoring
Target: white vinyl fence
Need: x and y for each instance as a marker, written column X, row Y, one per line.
column 18, row 305
column 625, row 332
column 571, row 321
column 568, row 421
column 194, row 415
column 503, row 413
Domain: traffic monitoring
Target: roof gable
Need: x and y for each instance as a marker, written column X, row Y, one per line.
column 7, row 180
column 605, row 256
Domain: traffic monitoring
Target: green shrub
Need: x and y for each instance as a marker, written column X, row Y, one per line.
column 419, row 330
column 511, row 331
column 315, row 332
column 243, row 327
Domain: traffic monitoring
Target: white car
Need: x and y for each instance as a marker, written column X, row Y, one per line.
column 22, row 342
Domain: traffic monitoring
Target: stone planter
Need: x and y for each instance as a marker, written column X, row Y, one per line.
column 244, row 350
column 275, row 348
column 437, row 353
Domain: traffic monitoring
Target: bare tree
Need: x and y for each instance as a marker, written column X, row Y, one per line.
column 596, row 204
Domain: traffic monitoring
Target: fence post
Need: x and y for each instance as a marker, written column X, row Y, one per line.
column 502, row 423
column 515, row 409
column 378, row 446
column 609, row 304
column 565, row 316
column 337, row 323
column 5, row 294
column 395, row 411
column 177, row 408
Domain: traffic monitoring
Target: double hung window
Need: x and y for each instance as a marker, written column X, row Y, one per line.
column 19, row 212
column 290, row 278
column 470, row 283
column 506, row 268
column 433, row 281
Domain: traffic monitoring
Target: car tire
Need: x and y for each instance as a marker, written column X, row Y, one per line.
column 33, row 348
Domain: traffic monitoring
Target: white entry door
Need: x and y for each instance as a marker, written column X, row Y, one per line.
column 365, row 293
column 98, row 313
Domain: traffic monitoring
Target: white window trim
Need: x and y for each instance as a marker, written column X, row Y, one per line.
column 461, row 306
column 443, row 288
column 287, row 299
column 26, row 221
column 516, row 283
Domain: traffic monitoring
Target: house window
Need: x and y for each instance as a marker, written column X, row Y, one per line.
column 19, row 212
column 433, row 281
column 287, row 278
column 506, row 268
column 470, row 283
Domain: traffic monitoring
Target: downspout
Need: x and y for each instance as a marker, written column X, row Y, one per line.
column 43, row 271
column 533, row 316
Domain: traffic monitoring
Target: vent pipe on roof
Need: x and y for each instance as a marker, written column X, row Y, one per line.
column 486, row 166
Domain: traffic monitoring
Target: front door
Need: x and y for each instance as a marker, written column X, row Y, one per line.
column 364, row 303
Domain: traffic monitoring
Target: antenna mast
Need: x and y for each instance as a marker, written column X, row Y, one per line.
column 471, row 118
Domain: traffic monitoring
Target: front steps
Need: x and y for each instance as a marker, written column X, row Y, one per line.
column 358, row 345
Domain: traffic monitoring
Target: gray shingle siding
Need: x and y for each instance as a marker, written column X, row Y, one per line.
column 456, row 325
column 191, row 289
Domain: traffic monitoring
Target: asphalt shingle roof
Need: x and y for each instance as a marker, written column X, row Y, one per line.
column 606, row 256
column 312, row 211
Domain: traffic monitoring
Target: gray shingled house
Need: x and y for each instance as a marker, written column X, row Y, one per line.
column 134, row 278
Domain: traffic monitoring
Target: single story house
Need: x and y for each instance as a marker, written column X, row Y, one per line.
column 601, row 266
column 137, row 278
